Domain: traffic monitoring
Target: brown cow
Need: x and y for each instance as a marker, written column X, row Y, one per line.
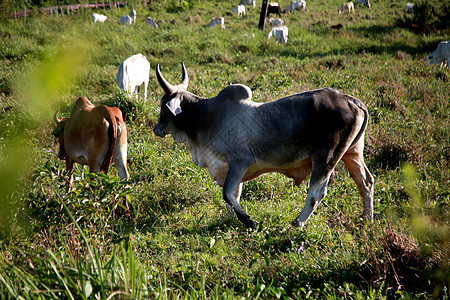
column 93, row 136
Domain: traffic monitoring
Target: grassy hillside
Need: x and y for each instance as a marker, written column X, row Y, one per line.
column 180, row 242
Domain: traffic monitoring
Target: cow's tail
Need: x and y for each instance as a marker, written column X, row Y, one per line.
column 365, row 122
column 112, row 138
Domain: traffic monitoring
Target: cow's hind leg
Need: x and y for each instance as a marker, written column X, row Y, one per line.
column 363, row 179
column 120, row 152
column 145, row 89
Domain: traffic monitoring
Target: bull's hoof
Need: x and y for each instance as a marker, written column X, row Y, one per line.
column 249, row 223
column 299, row 223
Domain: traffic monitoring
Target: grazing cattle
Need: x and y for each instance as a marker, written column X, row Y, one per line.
column 248, row 2
column 296, row 5
column 346, row 7
column 274, row 8
column 239, row 10
column 132, row 73
column 93, row 136
column 98, row 18
column 441, row 55
column 365, row 2
column 132, row 15
column 280, row 34
column 275, row 22
column 217, row 22
column 237, row 139
column 151, row 22
column 125, row 20
column 409, row 8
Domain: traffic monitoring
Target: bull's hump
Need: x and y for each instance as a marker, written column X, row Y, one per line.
column 235, row 92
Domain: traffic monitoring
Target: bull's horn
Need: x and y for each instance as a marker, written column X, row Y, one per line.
column 166, row 86
column 55, row 117
column 184, row 79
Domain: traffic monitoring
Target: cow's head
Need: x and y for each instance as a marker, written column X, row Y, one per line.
column 58, row 132
column 171, row 103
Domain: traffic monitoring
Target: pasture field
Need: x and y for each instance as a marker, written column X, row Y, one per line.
column 180, row 242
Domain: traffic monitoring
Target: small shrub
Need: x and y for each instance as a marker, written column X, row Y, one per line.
column 390, row 156
column 132, row 109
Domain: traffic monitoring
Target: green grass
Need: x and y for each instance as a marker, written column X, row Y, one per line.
column 181, row 242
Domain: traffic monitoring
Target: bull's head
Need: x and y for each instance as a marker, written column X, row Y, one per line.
column 170, row 119
column 58, row 132
column 174, row 102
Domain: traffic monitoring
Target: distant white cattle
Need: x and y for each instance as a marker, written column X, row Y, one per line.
column 151, row 22
column 275, row 22
column 240, row 10
column 98, row 18
column 125, row 20
column 346, row 7
column 134, row 72
column 296, row 5
column 279, row 33
column 365, row 2
column 132, row 15
column 409, row 8
column 441, row 55
column 248, row 2
column 217, row 22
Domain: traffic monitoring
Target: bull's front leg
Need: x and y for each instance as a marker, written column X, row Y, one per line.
column 231, row 190
column 237, row 195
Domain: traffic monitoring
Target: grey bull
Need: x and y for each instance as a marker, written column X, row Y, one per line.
column 237, row 139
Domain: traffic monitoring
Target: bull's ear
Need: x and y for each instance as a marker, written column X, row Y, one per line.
column 174, row 105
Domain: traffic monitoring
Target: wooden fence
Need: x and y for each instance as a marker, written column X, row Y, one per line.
column 69, row 9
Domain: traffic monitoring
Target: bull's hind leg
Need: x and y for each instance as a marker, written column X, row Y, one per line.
column 323, row 165
column 363, row 179
column 317, row 191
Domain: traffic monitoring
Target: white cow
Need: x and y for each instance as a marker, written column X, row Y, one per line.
column 151, row 22
column 240, row 10
column 409, row 8
column 275, row 22
column 365, row 2
column 132, row 73
column 347, row 7
column 280, row 34
column 98, row 18
column 441, row 55
column 217, row 22
column 132, row 15
column 248, row 2
column 296, row 5
column 125, row 20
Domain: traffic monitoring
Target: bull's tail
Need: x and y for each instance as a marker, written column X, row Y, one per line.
column 365, row 122
column 112, row 138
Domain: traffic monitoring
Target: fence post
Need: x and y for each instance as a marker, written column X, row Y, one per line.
column 262, row 16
